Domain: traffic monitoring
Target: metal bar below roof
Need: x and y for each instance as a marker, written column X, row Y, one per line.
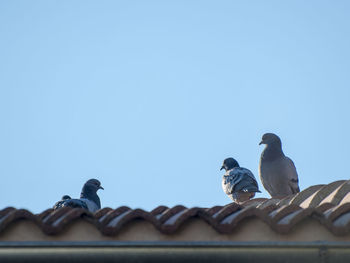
column 176, row 252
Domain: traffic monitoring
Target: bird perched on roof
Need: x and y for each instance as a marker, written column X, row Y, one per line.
column 89, row 199
column 238, row 183
column 277, row 172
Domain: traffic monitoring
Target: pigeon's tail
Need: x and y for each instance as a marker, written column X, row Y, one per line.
column 241, row 196
column 251, row 189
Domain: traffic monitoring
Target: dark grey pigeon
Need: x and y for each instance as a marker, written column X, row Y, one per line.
column 89, row 199
column 277, row 172
column 238, row 183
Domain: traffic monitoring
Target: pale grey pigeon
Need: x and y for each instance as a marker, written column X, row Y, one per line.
column 277, row 172
column 89, row 199
column 238, row 183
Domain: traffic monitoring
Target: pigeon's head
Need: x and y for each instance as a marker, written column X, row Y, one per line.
column 66, row 197
column 229, row 163
column 270, row 139
column 93, row 185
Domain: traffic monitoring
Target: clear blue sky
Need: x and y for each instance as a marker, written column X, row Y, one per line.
column 149, row 97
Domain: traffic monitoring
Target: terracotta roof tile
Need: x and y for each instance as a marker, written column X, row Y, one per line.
column 269, row 203
column 285, row 224
column 327, row 204
column 225, row 211
column 299, row 198
column 324, row 192
column 282, row 212
column 342, row 195
column 343, row 221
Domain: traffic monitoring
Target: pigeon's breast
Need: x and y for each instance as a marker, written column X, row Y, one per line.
column 90, row 204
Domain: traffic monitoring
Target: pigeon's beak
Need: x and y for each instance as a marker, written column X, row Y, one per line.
column 222, row 167
column 100, row 187
column 262, row 142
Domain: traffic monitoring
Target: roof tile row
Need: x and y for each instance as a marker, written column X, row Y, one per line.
column 327, row 204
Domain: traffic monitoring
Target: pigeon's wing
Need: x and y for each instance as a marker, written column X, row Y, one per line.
column 59, row 204
column 293, row 180
column 279, row 177
column 74, row 203
column 248, row 182
column 239, row 179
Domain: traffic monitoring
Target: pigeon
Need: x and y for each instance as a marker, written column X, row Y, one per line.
column 277, row 172
column 238, row 183
column 89, row 199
